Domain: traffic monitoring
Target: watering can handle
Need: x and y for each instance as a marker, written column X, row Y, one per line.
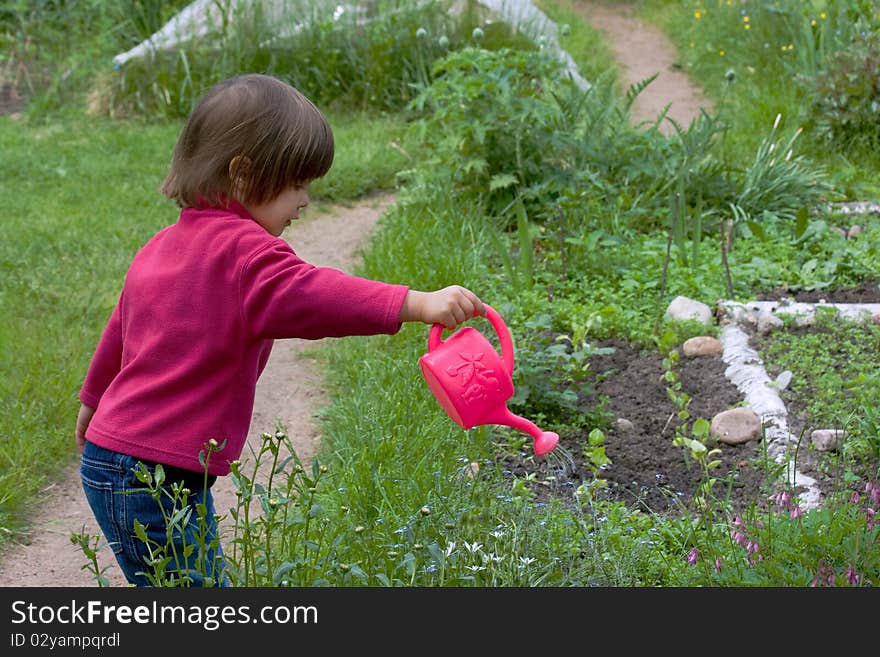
column 500, row 327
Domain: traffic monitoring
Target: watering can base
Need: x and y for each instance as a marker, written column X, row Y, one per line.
column 546, row 442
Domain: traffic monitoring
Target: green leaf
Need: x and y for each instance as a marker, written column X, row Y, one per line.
column 502, row 181
column 525, row 243
column 802, row 222
column 596, row 437
column 701, row 427
column 757, row 230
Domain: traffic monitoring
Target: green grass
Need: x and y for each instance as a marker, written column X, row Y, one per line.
column 712, row 42
column 81, row 198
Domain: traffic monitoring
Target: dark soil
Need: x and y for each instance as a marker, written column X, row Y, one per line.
column 647, row 471
column 865, row 292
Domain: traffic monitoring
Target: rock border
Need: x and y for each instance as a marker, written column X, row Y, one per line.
column 746, row 370
column 745, row 367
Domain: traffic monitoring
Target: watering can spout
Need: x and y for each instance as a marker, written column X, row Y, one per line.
column 545, row 441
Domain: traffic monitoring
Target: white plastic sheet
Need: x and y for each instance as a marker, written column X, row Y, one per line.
column 202, row 17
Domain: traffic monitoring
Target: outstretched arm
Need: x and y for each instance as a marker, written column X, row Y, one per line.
column 450, row 306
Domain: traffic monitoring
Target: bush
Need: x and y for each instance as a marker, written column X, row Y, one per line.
column 848, row 95
column 483, row 116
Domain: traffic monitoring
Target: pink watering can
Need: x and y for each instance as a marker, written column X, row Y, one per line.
column 472, row 383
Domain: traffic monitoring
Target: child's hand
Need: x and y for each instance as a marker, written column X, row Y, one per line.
column 450, row 306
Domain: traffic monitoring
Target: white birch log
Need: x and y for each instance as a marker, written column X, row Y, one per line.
column 745, row 370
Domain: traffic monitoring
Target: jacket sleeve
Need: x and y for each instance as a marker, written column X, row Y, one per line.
column 106, row 362
column 282, row 296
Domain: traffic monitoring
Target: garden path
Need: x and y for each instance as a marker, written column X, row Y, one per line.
column 641, row 50
column 331, row 238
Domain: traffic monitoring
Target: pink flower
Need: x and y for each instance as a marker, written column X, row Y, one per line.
column 796, row 512
column 782, row 500
column 852, row 577
column 869, row 517
column 854, row 498
column 825, row 577
column 718, row 565
column 693, row 556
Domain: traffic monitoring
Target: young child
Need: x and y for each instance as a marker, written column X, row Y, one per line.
column 202, row 303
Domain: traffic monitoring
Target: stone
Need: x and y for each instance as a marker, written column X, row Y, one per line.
column 702, row 345
column 827, row 440
column 781, row 382
column 736, row 426
column 681, row 309
column 854, row 231
column 623, row 425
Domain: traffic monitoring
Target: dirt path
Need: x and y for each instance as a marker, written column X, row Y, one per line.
column 641, row 51
column 331, row 239
column 289, row 391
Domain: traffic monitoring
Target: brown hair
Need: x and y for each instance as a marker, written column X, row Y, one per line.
column 251, row 138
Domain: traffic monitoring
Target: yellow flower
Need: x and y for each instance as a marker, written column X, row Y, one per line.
column 747, row 26
column 746, row 19
column 813, row 22
column 698, row 15
column 721, row 53
column 823, row 15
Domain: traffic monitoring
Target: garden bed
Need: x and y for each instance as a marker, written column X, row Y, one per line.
column 647, row 470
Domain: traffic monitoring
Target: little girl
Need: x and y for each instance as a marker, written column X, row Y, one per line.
column 202, row 303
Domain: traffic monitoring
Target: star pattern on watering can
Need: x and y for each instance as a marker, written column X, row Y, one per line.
column 477, row 379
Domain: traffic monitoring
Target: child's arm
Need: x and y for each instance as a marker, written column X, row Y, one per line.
column 82, row 423
column 450, row 306
column 106, row 361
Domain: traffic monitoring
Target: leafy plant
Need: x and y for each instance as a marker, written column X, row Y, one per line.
column 778, row 183
column 781, row 545
column 483, row 114
column 847, row 93
column 553, row 374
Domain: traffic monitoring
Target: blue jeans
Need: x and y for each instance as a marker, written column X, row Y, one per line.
column 118, row 498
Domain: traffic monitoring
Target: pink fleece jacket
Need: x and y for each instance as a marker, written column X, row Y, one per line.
column 202, row 303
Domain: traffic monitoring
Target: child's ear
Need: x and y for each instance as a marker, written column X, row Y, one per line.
column 239, row 167
column 239, row 173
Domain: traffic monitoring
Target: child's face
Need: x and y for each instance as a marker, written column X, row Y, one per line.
column 276, row 215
